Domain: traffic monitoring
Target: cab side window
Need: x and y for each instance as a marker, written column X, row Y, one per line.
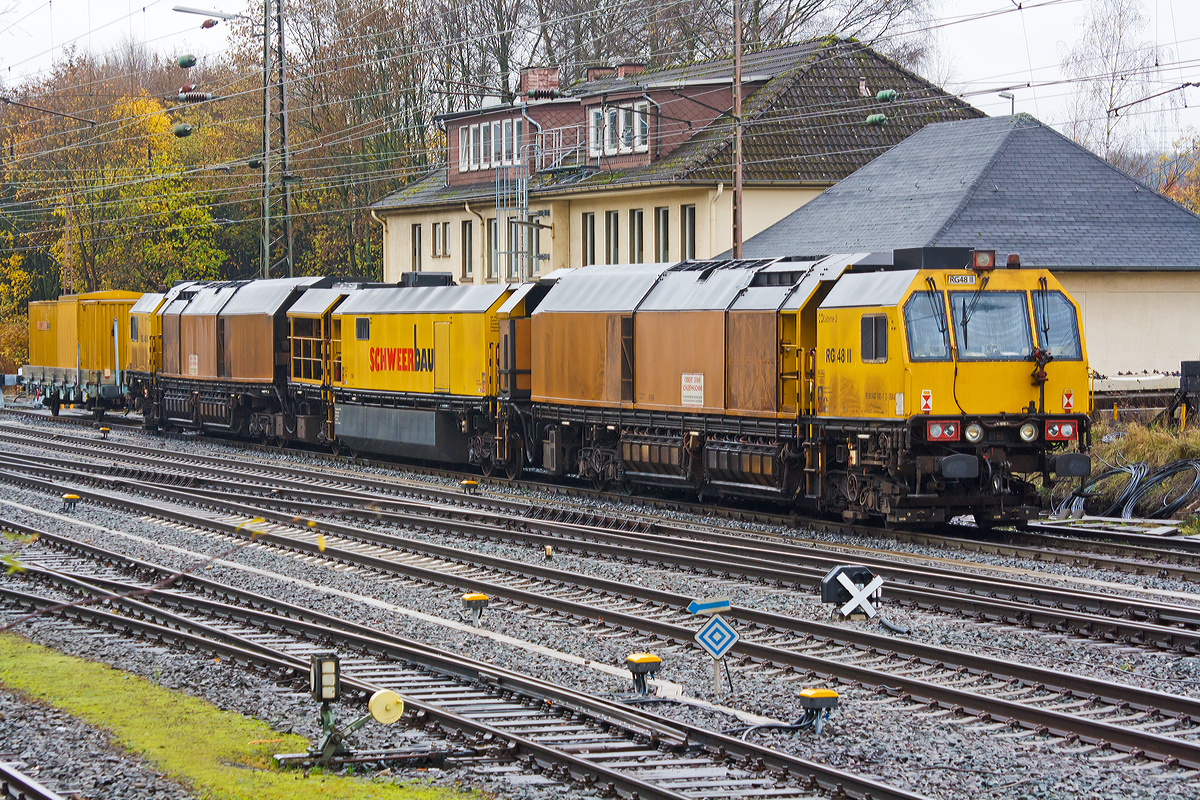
column 362, row 328
column 874, row 339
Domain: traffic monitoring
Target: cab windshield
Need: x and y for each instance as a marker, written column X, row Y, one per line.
column 991, row 326
column 1057, row 325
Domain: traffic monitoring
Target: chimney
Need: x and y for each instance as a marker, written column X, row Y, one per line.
column 630, row 68
column 539, row 82
column 596, row 73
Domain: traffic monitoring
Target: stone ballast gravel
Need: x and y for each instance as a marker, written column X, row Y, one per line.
column 66, row 755
column 898, row 746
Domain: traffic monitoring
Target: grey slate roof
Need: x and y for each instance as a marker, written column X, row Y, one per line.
column 1010, row 184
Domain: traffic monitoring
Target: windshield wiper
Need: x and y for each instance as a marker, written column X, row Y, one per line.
column 967, row 313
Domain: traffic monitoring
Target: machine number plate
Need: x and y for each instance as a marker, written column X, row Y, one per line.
column 960, row 280
column 691, row 389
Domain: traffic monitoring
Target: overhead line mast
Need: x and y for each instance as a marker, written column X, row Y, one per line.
column 737, row 129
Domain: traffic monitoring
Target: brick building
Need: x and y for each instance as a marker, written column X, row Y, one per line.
column 631, row 166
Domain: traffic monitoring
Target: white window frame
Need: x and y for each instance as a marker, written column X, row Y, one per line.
column 535, row 250
column 612, row 237
column 497, row 143
column 625, row 144
column 662, row 234
column 445, row 240
column 492, row 242
column 587, row 229
column 508, row 141
column 518, row 136
column 596, row 133
column 468, row 246
column 435, row 250
column 464, row 148
column 637, row 231
column 474, row 147
column 687, row 232
column 641, row 127
column 485, row 145
column 612, row 133
column 416, row 247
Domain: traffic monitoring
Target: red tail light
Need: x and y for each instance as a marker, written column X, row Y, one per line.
column 1061, row 430
column 943, row 430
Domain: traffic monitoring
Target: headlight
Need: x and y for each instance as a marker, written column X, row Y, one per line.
column 935, row 430
column 974, row 432
column 1028, row 432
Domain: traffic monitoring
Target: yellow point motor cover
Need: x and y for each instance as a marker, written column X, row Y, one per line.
column 474, row 597
column 386, row 706
column 643, row 658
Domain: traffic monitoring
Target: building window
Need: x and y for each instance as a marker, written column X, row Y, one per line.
column 514, row 247
column 497, row 143
column 362, row 328
column 468, row 249
column 436, row 249
column 474, row 147
column 635, row 236
column 596, row 133
column 518, row 132
column 445, row 239
column 588, row 230
column 508, row 141
column 687, row 232
column 464, row 139
column 626, row 145
column 416, row 248
column 641, row 141
column 612, row 250
column 662, row 234
column 534, row 236
column 493, row 244
column 485, row 147
column 612, row 133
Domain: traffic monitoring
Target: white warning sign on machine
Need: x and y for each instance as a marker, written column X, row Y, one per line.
column 691, row 389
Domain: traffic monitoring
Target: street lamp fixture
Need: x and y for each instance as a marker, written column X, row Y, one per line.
column 1012, row 102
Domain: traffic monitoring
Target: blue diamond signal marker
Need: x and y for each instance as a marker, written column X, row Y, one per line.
column 716, row 637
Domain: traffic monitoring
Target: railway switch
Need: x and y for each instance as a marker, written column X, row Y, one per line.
column 851, row 588
column 475, row 602
column 69, row 502
column 642, row 666
column 818, row 704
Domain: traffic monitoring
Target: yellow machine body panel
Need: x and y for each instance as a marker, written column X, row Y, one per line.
column 892, row 345
column 145, row 335
column 43, row 333
column 445, row 342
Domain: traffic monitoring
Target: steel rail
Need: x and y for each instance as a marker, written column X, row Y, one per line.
column 999, row 541
column 1165, row 748
column 995, row 599
column 307, row 624
column 16, row 785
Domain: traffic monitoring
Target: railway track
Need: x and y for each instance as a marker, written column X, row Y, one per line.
column 16, row 785
column 1138, row 554
column 1076, row 611
column 496, row 714
column 978, row 692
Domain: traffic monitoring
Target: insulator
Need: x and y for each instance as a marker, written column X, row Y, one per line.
column 887, row 96
column 187, row 87
column 543, row 94
column 209, row 23
column 182, row 129
column 194, row 97
column 877, row 119
column 186, row 61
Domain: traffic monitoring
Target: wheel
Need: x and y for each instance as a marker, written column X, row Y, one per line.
column 599, row 482
column 55, row 406
column 487, row 467
column 514, row 467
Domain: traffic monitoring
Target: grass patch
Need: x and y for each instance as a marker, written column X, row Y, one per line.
column 220, row 754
